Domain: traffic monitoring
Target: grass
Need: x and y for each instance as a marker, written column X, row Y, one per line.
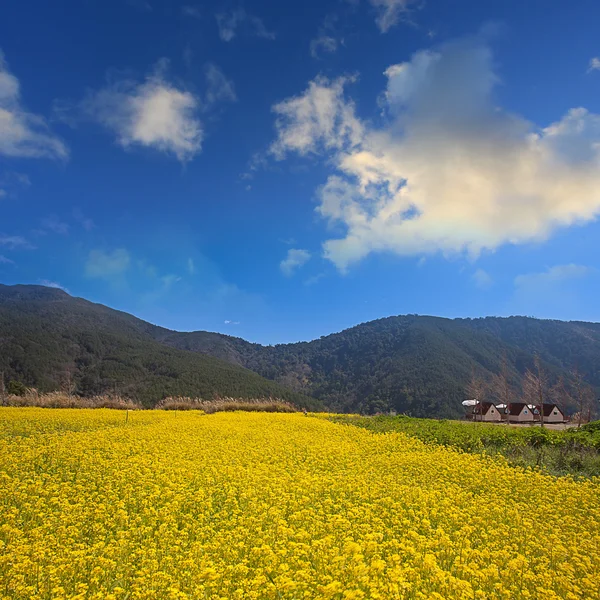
column 569, row 452
column 62, row 400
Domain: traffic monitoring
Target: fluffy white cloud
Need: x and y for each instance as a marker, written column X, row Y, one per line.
column 390, row 12
column 482, row 279
column 107, row 265
column 594, row 64
column 23, row 134
column 295, row 258
column 319, row 119
column 154, row 113
column 450, row 171
column 231, row 21
column 551, row 276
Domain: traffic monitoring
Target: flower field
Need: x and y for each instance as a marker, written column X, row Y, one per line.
column 180, row 505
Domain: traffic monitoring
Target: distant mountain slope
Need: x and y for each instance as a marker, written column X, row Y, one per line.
column 46, row 334
column 414, row 364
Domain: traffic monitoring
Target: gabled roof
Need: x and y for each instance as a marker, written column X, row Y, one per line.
column 548, row 408
column 516, row 408
column 485, row 406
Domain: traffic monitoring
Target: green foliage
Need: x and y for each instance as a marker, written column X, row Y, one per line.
column 411, row 364
column 48, row 337
column 566, row 452
column 16, row 388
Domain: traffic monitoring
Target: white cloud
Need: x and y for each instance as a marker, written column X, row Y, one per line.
column 23, row 134
column 390, row 12
column 191, row 267
column 228, row 322
column 231, row 21
column 189, row 10
column 594, row 64
column 6, row 261
column 218, row 87
column 15, row 242
column 154, row 113
column 295, row 258
column 482, row 279
column 551, row 276
column 54, row 224
column 107, row 265
column 3, row 193
column 53, row 284
column 449, row 171
column 319, row 119
column 314, row 279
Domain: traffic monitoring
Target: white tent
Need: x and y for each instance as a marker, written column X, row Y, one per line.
column 469, row 403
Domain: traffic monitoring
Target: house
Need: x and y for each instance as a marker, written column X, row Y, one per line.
column 485, row 411
column 552, row 414
column 519, row 412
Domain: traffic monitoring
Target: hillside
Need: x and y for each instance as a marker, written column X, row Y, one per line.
column 48, row 337
column 413, row 364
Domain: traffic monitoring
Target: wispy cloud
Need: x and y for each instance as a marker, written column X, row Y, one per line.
column 230, row 22
column 102, row 264
column 448, row 171
column 55, row 225
column 6, row 261
column 155, row 113
column 295, row 258
column 190, row 10
column 391, row 12
column 23, row 134
column 191, row 266
column 15, row 242
column 482, row 279
column 228, row 322
column 314, row 279
column 218, row 87
column 594, row 64
column 551, row 276
column 327, row 39
column 85, row 222
column 53, row 284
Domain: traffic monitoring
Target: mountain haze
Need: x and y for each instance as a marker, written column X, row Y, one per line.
column 414, row 364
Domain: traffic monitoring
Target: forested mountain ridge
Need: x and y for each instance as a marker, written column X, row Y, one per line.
column 418, row 365
column 50, row 340
column 414, row 364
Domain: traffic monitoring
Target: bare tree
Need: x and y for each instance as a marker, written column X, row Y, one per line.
column 67, row 384
column 2, row 389
column 534, row 387
column 477, row 390
column 502, row 386
column 560, row 395
column 583, row 396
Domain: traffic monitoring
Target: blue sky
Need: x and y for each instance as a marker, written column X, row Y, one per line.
column 279, row 171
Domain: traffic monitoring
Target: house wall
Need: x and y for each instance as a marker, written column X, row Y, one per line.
column 552, row 418
column 493, row 414
column 526, row 416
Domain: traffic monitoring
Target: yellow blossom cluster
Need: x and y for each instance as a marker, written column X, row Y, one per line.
column 168, row 505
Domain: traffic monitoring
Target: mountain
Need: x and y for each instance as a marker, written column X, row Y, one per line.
column 412, row 364
column 418, row 365
column 49, row 339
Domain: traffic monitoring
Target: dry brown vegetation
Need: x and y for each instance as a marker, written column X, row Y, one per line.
column 226, row 404
column 65, row 400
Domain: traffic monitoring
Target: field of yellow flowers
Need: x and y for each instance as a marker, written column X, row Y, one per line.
column 248, row 505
